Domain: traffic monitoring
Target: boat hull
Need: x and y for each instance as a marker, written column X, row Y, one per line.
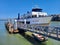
column 40, row 20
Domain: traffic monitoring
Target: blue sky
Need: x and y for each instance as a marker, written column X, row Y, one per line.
column 10, row 8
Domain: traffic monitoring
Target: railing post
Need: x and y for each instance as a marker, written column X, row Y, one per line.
column 57, row 33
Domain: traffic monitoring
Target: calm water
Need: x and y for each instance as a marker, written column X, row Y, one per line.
column 55, row 23
column 17, row 39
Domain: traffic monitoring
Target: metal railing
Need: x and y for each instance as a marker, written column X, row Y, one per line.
column 46, row 30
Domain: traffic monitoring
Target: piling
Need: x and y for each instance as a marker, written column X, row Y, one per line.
column 11, row 27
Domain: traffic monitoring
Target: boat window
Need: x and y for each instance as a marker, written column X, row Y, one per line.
column 37, row 10
column 29, row 17
column 39, row 15
column 33, row 16
column 21, row 22
column 27, row 22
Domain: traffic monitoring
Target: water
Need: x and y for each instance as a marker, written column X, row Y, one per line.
column 17, row 39
column 55, row 23
column 10, row 39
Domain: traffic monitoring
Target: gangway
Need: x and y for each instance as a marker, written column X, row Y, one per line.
column 52, row 32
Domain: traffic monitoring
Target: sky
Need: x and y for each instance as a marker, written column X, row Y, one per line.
column 11, row 8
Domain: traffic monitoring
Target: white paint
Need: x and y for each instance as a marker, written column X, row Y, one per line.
column 39, row 13
column 41, row 20
column 15, row 24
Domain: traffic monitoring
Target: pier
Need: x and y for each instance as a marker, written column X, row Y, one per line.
column 51, row 32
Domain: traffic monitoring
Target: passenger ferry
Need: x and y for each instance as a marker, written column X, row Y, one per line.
column 35, row 17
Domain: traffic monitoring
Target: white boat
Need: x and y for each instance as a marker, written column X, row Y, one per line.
column 34, row 18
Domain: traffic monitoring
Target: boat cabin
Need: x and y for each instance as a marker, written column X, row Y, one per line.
column 36, row 12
